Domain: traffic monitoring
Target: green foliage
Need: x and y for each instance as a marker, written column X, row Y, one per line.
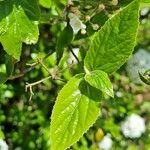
column 100, row 80
column 120, row 45
column 46, row 3
column 17, row 25
column 75, row 110
column 114, row 43
column 107, row 36
column 145, row 1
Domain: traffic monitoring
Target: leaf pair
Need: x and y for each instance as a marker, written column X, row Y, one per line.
column 77, row 105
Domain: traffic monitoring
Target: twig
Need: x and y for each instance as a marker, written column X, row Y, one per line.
column 32, row 66
column 43, row 65
column 30, row 85
column 37, row 82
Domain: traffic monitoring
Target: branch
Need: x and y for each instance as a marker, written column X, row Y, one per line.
column 43, row 65
column 74, row 55
column 30, row 85
column 32, row 66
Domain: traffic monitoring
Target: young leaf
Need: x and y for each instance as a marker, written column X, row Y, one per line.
column 17, row 25
column 100, row 80
column 76, row 109
column 114, row 43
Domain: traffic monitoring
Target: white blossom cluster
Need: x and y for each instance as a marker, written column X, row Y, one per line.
column 76, row 24
column 133, row 126
column 106, row 143
column 140, row 62
column 3, row 145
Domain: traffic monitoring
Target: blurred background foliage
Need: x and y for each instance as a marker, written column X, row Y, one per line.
column 24, row 124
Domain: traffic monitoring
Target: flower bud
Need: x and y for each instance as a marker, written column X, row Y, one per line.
column 95, row 26
column 83, row 31
column 87, row 18
column 114, row 2
column 101, row 7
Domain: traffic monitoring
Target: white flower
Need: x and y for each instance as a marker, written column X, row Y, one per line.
column 72, row 58
column 76, row 23
column 70, row 2
column 3, row 145
column 106, row 143
column 133, row 126
column 144, row 11
column 119, row 94
column 138, row 63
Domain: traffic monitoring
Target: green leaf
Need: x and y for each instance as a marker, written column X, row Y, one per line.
column 62, row 2
column 75, row 110
column 45, row 3
column 100, row 80
column 113, row 44
column 145, row 1
column 18, row 23
column 63, row 41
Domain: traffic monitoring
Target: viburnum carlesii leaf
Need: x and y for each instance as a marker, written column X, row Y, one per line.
column 114, row 42
column 100, row 80
column 18, row 23
column 75, row 110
